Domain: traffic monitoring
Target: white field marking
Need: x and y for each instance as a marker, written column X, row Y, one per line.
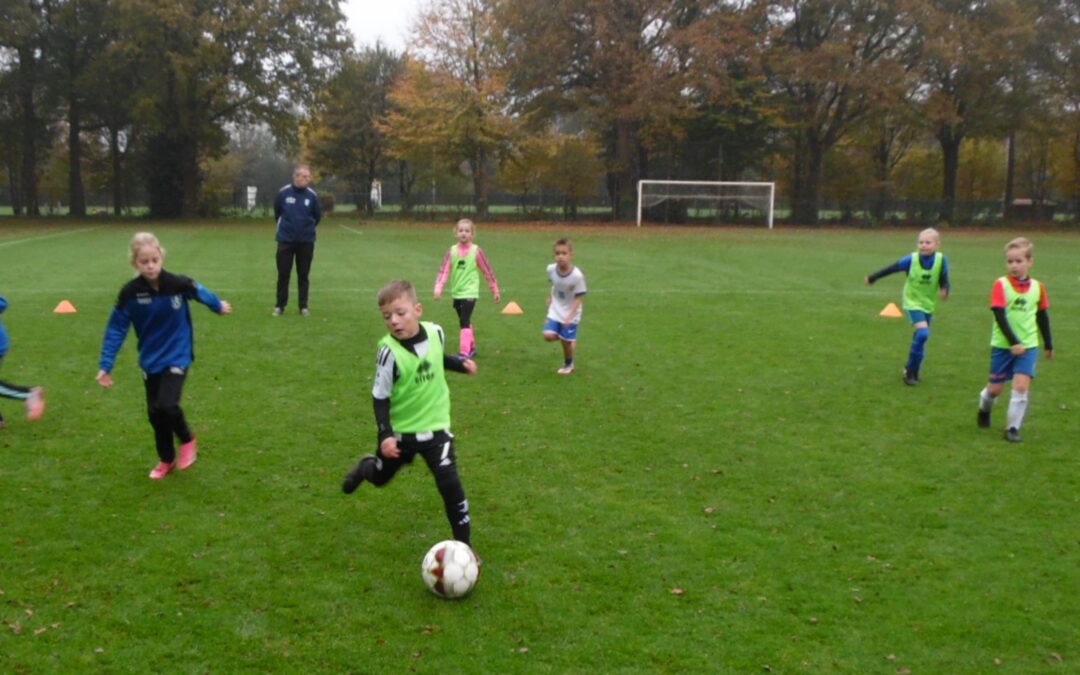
column 47, row 236
column 350, row 229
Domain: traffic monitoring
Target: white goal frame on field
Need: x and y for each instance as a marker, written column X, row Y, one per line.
column 708, row 194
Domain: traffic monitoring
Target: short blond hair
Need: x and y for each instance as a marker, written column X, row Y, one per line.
column 398, row 288
column 1023, row 244
column 142, row 240
column 466, row 221
column 932, row 231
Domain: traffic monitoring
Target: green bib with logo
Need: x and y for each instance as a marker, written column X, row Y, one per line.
column 921, row 287
column 1020, row 309
column 420, row 399
column 464, row 274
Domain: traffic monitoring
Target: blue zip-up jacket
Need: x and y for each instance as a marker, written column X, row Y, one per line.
column 4, row 342
column 162, row 322
column 298, row 214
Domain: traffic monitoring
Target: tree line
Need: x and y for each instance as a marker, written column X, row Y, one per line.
column 833, row 99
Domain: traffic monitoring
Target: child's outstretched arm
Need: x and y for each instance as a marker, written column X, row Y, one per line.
column 489, row 273
column 1042, row 318
column 459, row 364
column 387, row 441
column 115, row 333
column 901, row 265
column 574, row 307
column 385, row 374
column 944, row 285
column 443, row 275
column 206, row 296
column 1006, row 330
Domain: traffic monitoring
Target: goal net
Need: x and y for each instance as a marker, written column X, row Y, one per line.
column 692, row 201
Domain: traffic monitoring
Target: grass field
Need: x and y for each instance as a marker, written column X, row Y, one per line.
column 735, row 480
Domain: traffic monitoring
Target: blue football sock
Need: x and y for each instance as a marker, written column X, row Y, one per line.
column 918, row 349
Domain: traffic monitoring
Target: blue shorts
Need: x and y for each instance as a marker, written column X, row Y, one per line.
column 917, row 315
column 1003, row 365
column 565, row 331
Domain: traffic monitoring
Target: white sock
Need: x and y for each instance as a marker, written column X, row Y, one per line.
column 1017, row 409
column 986, row 401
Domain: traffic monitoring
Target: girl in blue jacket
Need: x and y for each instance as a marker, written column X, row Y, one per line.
column 156, row 304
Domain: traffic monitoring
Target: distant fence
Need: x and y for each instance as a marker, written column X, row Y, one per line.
column 442, row 205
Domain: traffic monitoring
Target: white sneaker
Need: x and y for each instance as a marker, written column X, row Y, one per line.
column 566, row 370
column 277, row 311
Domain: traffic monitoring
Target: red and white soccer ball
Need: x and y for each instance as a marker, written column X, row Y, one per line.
column 451, row 569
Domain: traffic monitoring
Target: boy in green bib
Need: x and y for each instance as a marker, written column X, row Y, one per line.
column 927, row 279
column 412, row 404
column 1021, row 313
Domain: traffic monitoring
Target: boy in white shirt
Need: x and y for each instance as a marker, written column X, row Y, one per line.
column 564, row 303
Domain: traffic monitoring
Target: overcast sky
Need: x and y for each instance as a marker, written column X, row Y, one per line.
column 386, row 19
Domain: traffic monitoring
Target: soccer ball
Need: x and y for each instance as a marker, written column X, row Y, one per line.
column 450, row 569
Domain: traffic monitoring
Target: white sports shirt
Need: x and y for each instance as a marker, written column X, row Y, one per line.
column 563, row 291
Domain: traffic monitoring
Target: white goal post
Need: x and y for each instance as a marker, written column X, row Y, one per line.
column 708, row 197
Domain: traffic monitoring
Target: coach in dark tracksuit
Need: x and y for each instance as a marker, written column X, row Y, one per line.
column 297, row 211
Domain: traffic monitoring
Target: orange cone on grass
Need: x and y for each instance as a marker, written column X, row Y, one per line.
column 65, row 307
column 891, row 310
column 512, row 308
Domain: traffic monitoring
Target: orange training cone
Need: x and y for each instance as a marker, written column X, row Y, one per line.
column 513, row 308
column 891, row 310
column 65, row 307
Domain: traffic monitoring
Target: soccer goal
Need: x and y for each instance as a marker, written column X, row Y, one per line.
column 696, row 201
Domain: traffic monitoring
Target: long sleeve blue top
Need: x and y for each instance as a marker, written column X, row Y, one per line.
column 162, row 322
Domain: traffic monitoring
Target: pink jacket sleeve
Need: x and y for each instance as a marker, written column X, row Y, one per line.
column 485, row 267
column 444, row 273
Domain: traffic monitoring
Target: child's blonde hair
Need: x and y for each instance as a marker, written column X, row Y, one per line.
column 398, row 288
column 933, row 232
column 1023, row 244
column 141, row 240
column 466, row 221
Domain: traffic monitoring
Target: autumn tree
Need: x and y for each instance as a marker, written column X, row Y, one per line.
column 77, row 36
column 963, row 67
column 564, row 163
column 29, row 102
column 826, row 59
column 458, row 60
column 115, row 116
column 343, row 136
column 1059, row 62
column 614, row 62
column 524, row 165
column 575, row 170
column 722, row 121
column 206, row 64
column 417, row 128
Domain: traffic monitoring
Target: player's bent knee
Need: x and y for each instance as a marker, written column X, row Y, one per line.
column 551, row 337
